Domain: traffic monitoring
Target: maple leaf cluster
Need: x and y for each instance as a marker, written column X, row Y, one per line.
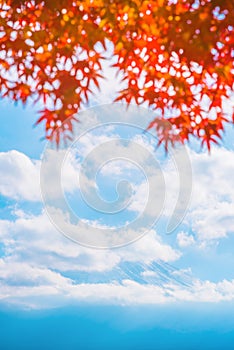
column 175, row 55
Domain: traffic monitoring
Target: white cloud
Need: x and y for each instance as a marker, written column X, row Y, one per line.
column 19, row 176
column 34, row 269
column 184, row 240
column 129, row 292
column 149, row 248
column 37, row 259
column 211, row 210
column 23, row 274
column 149, row 273
column 33, row 239
column 211, row 213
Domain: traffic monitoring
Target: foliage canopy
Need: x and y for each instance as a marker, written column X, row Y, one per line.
column 178, row 56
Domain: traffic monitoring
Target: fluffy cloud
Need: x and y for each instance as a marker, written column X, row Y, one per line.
column 211, row 213
column 184, row 240
column 22, row 274
column 19, row 176
column 39, row 264
column 128, row 292
column 35, row 240
column 211, row 210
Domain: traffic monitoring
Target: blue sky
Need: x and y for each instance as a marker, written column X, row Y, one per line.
column 94, row 327
column 99, row 327
column 166, row 289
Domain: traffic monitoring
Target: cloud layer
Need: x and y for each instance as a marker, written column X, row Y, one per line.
column 39, row 267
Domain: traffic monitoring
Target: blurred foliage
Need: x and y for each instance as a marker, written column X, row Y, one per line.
column 175, row 55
